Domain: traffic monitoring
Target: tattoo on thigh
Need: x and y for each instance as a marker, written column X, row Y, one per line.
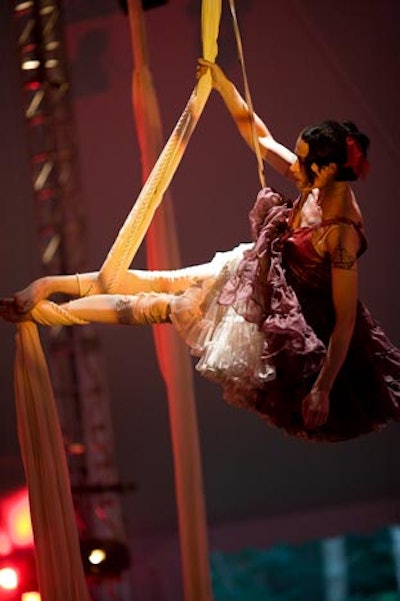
column 124, row 312
column 342, row 259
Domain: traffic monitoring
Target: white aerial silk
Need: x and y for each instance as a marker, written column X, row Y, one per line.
column 60, row 572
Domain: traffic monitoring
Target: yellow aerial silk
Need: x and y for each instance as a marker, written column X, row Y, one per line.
column 60, row 572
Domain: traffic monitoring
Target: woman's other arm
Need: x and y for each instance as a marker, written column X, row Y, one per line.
column 342, row 245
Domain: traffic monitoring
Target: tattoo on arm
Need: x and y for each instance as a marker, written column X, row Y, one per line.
column 342, row 259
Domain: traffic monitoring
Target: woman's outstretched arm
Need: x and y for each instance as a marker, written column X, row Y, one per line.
column 277, row 155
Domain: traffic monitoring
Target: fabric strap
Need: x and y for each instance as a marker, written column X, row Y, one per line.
column 135, row 227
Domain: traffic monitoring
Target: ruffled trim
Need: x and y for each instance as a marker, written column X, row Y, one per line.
column 248, row 320
column 259, row 292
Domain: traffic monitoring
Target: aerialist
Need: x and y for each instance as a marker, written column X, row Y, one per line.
column 276, row 322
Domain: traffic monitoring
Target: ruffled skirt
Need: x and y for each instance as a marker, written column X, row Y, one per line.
column 229, row 346
column 247, row 325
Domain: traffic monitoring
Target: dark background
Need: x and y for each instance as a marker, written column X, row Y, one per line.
column 307, row 60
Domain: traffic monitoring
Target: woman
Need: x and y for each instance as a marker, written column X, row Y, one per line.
column 278, row 322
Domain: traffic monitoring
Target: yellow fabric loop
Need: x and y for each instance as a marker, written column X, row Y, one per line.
column 134, row 229
column 39, row 432
column 48, row 313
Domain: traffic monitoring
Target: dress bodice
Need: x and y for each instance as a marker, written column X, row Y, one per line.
column 305, row 251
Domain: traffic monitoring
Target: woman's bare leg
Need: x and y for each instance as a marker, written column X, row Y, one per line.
column 89, row 284
column 174, row 281
column 136, row 309
column 42, row 288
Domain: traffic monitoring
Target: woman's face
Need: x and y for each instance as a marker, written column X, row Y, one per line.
column 301, row 172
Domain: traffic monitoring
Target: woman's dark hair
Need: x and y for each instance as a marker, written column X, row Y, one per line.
column 328, row 142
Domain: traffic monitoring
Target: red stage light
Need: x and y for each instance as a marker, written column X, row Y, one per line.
column 18, row 575
column 18, row 519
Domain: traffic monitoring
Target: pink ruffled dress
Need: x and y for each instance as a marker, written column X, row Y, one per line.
column 261, row 325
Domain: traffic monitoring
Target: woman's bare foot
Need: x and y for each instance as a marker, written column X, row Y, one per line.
column 10, row 312
column 30, row 296
column 18, row 307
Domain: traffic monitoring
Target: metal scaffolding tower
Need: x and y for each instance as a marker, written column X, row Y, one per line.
column 74, row 353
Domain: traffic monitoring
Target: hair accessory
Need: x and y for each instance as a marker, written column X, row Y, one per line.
column 355, row 158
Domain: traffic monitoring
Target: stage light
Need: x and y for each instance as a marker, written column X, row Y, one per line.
column 51, row 63
column 51, row 247
column 23, row 5
column 8, row 579
column 31, row 596
column 30, row 65
column 18, row 519
column 76, row 448
column 104, row 557
column 18, row 574
column 96, row 556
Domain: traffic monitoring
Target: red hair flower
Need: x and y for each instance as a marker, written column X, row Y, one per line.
column 355, row 158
